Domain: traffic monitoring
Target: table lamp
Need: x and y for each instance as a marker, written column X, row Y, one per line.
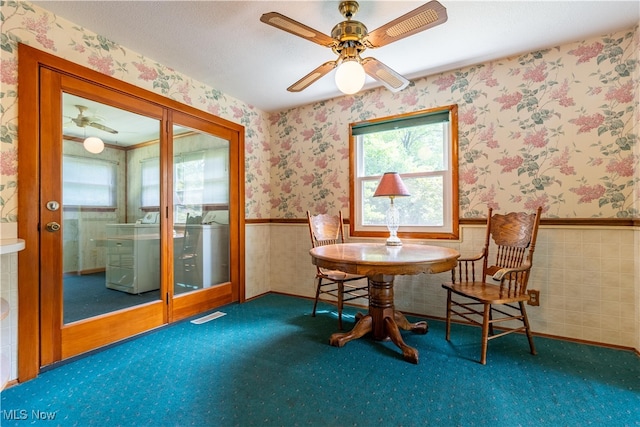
column 391, row 185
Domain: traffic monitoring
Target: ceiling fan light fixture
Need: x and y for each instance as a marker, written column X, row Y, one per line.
column 93, row 145
column 350, row 38
column 350, row 77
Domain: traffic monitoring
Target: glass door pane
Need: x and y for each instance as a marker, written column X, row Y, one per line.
column 201, row 210
column 111, row 200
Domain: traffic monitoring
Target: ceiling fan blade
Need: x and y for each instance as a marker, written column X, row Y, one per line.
column 385, row 75
column 103, row 127
column 426, row 16
column 312, row 77
column 284, row 23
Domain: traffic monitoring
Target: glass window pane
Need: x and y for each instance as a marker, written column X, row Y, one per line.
column 150, row 182
column 89, row 182
column 111, row 257
column 407, row 150
column 201, row 210
column 424, row 208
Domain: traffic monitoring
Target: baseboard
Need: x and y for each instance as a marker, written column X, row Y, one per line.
column 87, row 271
column 443, row 319
column 538, row 334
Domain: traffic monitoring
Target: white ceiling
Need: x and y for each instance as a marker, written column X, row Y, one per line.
column 224, row 45
column 131, row 128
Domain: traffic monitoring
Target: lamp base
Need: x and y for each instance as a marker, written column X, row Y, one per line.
column 394, row 241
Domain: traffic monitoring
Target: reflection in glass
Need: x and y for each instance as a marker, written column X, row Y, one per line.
column 111, row 228
column 201, row 210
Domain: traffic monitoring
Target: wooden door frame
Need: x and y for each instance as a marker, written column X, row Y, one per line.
column 31, row 61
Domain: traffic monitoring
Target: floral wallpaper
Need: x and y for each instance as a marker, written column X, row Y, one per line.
column 25, row 23
column 557, row 128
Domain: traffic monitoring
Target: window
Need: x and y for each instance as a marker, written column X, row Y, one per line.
column 89, row 182
column 201, row 179
column 422, row 148
column 150, row 191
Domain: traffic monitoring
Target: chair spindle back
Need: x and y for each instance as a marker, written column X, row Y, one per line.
column 325, row 229
column 511, row 238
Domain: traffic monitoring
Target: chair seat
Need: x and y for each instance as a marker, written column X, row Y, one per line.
column 485, row 293
column 336, row 275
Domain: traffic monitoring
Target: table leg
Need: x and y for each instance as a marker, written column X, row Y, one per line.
column 362, row 327
column 410, row 354
column 382, row 321
column 417, row 328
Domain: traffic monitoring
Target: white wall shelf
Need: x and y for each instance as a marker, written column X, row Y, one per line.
column 9, row 246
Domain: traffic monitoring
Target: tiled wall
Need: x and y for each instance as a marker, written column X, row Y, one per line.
column 9, row 325
column 587, row 277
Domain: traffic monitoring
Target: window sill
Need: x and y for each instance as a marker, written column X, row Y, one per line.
column 89, row 208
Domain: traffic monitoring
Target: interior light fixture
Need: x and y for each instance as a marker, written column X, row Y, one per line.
column 391, row 186
column 93, row 145
column 350, row 76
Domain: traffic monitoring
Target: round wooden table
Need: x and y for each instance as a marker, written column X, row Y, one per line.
column 380, row 263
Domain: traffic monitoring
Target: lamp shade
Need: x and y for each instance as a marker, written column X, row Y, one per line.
column 350, row 77
column 391, row 185
column 93, row 145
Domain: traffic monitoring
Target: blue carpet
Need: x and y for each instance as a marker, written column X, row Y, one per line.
column 268, row 362
column 87, row 296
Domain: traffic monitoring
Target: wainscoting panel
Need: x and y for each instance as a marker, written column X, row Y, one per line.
column 258, row 256
column 588, row 278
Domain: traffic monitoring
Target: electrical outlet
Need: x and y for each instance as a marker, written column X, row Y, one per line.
column 534, row 297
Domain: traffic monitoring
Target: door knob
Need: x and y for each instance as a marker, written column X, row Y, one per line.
column 53, row 226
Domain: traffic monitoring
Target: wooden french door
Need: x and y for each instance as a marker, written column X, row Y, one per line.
column 63, row 223
column 204, row 174
column 136, row 239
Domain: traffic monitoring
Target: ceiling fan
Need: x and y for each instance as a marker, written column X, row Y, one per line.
column 83, row 121
column 350, row 38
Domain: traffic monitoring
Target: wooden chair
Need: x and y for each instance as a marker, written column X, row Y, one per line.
column 501, row 287
column 328, row 229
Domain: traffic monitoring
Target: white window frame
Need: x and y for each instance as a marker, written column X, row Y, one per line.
column 450, row 228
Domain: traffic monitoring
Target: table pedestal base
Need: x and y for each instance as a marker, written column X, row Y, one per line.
column 382, row 321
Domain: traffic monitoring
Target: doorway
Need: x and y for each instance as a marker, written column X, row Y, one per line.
column 140, row 230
